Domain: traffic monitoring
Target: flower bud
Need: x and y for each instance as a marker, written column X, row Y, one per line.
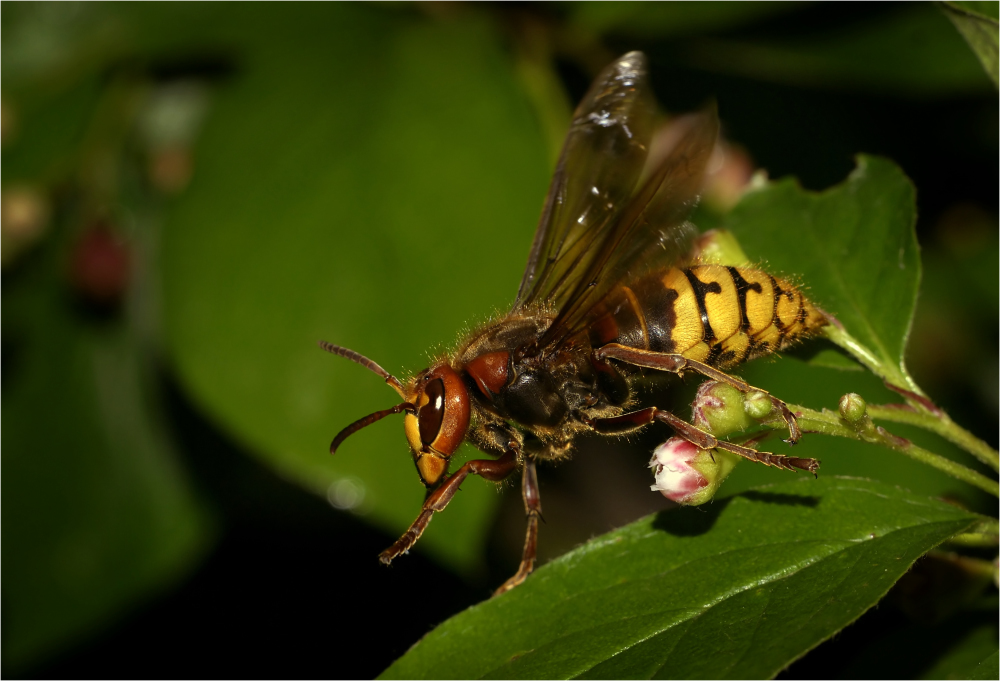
column 718, row 408
column 854, row 412
column 853, row 407
column 688, row 475
column 758, row 405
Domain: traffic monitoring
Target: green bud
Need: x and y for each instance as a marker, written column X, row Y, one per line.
column 718, row 408
column 854, row 413
column 853, row 408
column 758, row 405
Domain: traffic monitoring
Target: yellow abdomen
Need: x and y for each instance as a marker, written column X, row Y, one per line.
column 710, row 313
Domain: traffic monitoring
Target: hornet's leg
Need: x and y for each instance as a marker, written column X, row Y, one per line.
column 494, row 471
column 699, row 438
column 679, row 363
column 533, row 508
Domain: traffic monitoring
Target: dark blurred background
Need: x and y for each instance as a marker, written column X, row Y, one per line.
column 193, row 195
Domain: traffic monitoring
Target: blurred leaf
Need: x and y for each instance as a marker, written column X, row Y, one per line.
column 853, row 244
column 986, row 669
column 738, row 589
column 978, row 24
column 96, row 514
column 989, row 9
column 910, row 50
column 916, row 649
column 378, row 189
column 45, row 42
column 47, row 130
column 974, row 657
column 952, row 351
column 659, row 19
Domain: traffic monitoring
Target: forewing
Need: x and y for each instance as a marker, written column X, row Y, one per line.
column 599, row 167
column 651, row 232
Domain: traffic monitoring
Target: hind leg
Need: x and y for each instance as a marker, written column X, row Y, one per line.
column 678, row 364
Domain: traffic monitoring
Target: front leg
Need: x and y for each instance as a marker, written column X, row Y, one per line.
column 438, row 500
column 678, row 364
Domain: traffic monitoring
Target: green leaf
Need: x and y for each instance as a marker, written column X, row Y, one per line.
column 97, row 515
column 908, row 50
column 854, row 246
column 48, row 129
column 376, row 189
column 737, row 589
column 978, row 24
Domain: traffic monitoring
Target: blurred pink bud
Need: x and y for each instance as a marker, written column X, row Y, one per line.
column 729, row 173
column 99, row 266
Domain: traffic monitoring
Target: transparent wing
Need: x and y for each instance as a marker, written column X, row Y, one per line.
column 651, row 232
column 596, row 176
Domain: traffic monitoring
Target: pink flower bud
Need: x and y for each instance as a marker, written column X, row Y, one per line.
column 686, row 474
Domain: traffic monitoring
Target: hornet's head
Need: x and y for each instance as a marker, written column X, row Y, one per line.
column 437, row 425
column 436, row 409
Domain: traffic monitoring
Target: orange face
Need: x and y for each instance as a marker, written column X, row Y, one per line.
column 438, row 426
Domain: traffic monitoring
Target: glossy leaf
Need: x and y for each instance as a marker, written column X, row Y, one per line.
column 376, row 189
column 853, row 246
column 737, row 589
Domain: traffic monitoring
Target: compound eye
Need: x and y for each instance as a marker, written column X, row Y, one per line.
column 431, row 414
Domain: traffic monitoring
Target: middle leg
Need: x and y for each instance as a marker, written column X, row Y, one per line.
column 619, row 425
column 533, row 509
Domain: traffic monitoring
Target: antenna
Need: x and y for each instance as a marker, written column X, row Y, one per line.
column 358, row 358
column 367, row 421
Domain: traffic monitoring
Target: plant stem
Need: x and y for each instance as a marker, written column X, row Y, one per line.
column 986, row 533
column 830, row 423
column 975, row 540
column 922, row 412
column 941, row 425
